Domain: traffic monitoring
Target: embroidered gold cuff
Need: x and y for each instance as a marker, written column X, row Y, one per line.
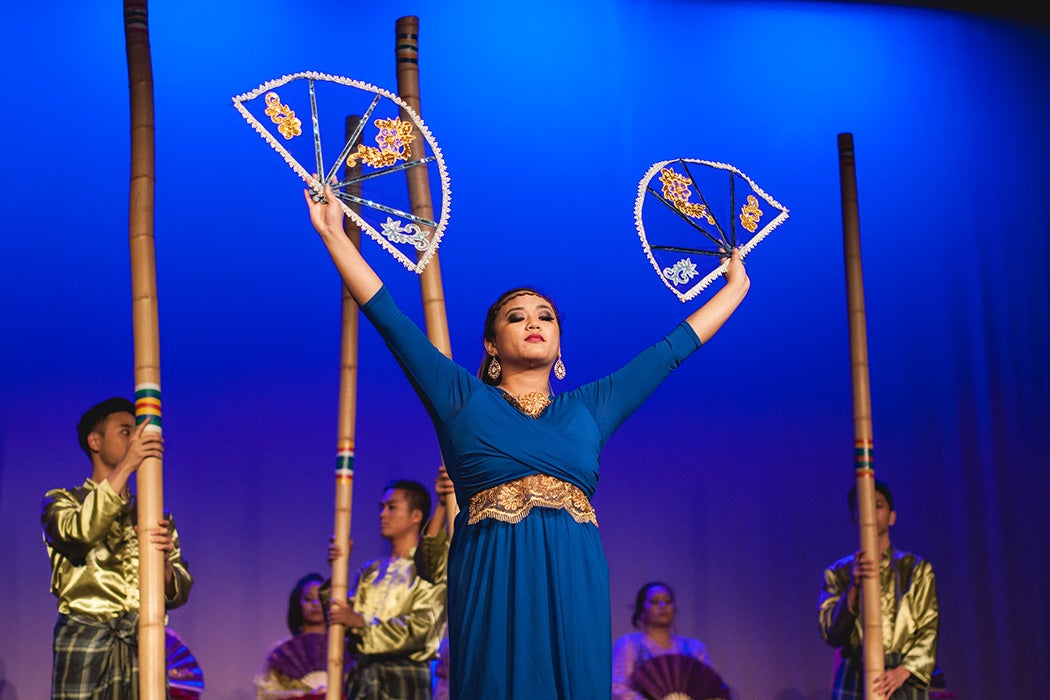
column 512, row 501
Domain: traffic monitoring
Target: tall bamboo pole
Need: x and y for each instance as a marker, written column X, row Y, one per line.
column 406, row 34
column 146, row 329
column 864, row 468
column 344, row 467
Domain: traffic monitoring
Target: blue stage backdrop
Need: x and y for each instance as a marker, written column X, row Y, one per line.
column 730, row 483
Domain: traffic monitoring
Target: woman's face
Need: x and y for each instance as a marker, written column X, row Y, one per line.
column 658, row 609
column 311, row 604
column 527, row 334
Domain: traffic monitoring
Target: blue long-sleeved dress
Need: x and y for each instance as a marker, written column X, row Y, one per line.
column 528, row 601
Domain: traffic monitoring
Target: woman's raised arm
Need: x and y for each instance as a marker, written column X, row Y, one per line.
column 706, row 320
column 327, row 217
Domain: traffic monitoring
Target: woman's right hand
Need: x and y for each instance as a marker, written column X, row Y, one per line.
column 326, row 216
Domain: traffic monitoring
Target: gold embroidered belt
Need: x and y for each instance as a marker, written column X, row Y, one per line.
column 512, row 501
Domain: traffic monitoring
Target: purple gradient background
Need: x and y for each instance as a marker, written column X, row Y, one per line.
column 730, row 482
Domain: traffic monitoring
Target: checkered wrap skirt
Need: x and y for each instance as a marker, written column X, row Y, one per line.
column 389, row 679
column 849, row 681
column 95, row 660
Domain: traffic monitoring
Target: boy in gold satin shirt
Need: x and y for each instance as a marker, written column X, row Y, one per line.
column 92, row 541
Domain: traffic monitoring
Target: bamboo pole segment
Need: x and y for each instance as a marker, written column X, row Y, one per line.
column 864, row 469
column 145, row 322
column 406, row 31
column 344, row 466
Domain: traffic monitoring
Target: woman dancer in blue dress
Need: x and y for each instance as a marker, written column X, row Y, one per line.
column 528, row 583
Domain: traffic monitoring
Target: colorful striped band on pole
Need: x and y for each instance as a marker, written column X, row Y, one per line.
column 344, row 461
column 147, row 404
column 136, row 16
column 864, row 458
column 406, row 47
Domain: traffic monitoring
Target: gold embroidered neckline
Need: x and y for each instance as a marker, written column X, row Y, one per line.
column 532, row 404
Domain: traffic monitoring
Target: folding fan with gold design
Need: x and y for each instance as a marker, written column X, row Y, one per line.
column 690, row 215
column 303, row 117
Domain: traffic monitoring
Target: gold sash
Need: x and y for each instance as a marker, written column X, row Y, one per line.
column 512, row 501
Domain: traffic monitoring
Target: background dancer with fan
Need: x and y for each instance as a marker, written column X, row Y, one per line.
column 92, row 539
column 528, row 580
column 654, row 615
column 296, row 666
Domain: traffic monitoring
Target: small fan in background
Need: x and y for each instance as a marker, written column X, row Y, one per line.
column 296, row 668
column 185, row 677
column 678, row 677
column 304, row 658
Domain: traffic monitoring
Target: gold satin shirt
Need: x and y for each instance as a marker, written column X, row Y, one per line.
column 431, row 557
column 94, row 550
column 405, row 615
column 910, row 616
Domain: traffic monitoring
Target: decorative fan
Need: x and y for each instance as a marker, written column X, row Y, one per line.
column 388, row 149
column 304, row 658
column 185, row 677
column 691, row 213
column 678, row 677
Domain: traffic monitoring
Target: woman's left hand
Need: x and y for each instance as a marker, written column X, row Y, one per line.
column 706, row 320
column 736, row 273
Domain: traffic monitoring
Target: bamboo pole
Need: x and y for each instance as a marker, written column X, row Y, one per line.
column 406, row 33
column 864, row 470
column 344, row 468
column 145, row 322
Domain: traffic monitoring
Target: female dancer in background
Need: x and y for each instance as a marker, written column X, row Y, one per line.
column 654, row 614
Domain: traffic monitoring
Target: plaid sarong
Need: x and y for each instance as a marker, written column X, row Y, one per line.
column 95, row 660
column 849, row 681
column 389, row 679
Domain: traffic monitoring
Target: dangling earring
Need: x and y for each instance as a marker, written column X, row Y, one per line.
column 495, row 371
column 559, row 367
